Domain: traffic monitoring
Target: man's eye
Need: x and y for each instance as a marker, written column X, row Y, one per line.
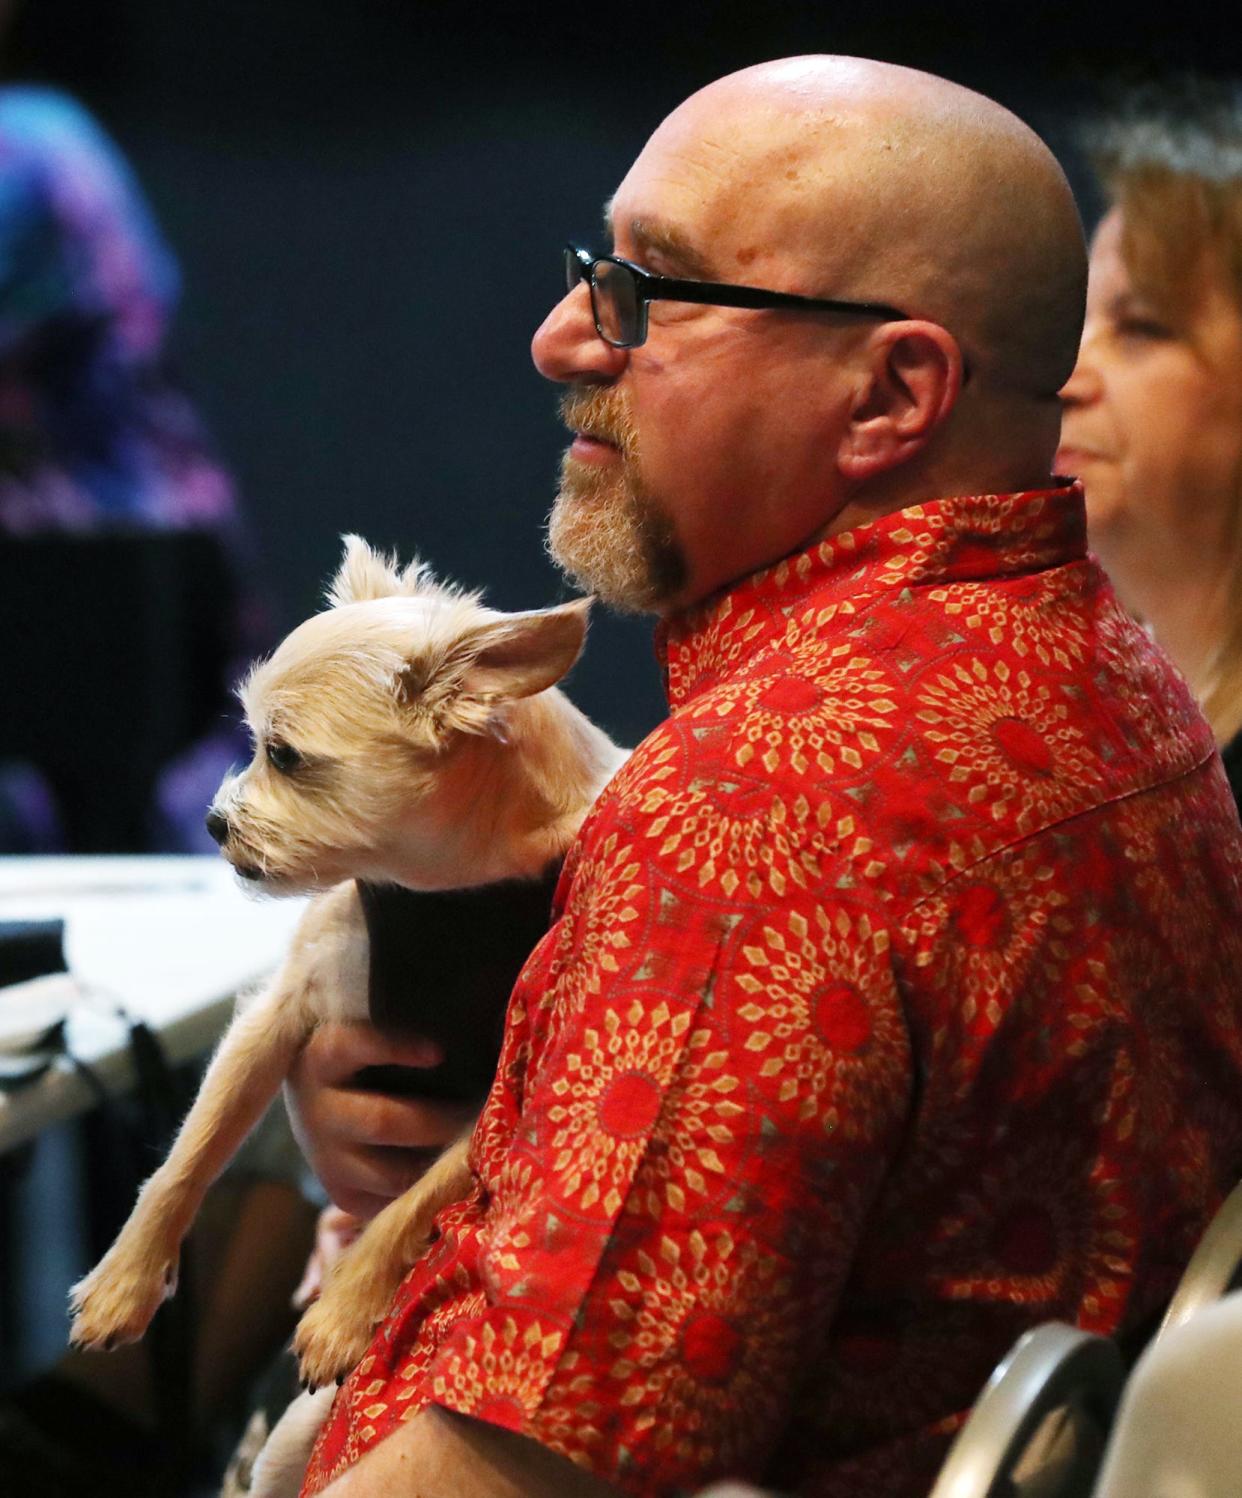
column 283, row 757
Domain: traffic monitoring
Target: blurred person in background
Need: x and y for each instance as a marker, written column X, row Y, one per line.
column 95, row 435
column 1153, row 410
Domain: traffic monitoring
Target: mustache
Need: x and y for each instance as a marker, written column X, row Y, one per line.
column 599, row 411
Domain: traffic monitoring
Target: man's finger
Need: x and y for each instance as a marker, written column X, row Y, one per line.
column 336, row 1051
column 377, row 1118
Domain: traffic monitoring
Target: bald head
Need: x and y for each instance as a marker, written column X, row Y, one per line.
column 880, row 183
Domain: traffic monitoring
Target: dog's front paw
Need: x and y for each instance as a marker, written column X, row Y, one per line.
column 332, row 1337
column 116, row 1301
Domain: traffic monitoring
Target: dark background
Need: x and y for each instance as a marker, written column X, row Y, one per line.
column 368, row 199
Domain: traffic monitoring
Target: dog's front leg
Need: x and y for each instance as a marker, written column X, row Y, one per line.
column 280, row 1466
column 117, row 1300
column 357, row 1291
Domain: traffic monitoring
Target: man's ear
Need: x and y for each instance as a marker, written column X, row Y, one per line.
column 365, row 573
column 914, row 376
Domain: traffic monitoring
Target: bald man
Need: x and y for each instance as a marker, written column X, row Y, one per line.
column 891, row 1002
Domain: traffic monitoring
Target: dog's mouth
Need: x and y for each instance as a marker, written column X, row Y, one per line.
column 264, row 879
column 262, row 869
column 245, row 865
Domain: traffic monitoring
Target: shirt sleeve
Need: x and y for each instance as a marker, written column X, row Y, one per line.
column 718, row 1073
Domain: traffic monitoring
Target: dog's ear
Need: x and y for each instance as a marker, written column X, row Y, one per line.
column 493, row 662
column 366, row 573
column 522, row 654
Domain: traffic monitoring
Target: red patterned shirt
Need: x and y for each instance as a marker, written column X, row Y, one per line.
column 891, row 1007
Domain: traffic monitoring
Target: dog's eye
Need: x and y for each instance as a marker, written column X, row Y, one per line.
column 283, row 757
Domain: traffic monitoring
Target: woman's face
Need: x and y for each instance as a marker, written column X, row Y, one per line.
column 1153, row 416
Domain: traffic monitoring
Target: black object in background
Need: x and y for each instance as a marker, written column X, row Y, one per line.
column 31, row 949
column 115, row 656
column 443, row 964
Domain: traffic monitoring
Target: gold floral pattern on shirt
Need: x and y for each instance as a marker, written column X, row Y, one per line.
column 607, row 1098
column 825, row 1028
column 1001, row 934
column 977, row 537
column 494, row 1373
column 705, row 1324
column 738, row 837
column 825, row 713
column 1026, row 615
column 1131, row 674
column 1009, row 740
column 595, row 943
column 1184, row 899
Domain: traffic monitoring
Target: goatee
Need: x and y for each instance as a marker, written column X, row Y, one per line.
column 605, row 530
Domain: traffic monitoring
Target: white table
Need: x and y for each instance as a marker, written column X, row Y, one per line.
column 172, row 940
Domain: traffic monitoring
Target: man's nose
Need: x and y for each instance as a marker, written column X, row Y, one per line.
column 567, row 347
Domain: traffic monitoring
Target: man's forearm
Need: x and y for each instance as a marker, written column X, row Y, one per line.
column 439, row 1454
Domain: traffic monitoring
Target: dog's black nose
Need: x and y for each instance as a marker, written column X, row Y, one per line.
column 218, row 826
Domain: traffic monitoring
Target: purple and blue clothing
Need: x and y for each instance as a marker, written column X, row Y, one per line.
column 94, row 435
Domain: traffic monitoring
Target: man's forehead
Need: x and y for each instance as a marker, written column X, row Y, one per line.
column 701, row 207
column 682, row 200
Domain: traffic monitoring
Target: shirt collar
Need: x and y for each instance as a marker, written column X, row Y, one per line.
column 967, row 538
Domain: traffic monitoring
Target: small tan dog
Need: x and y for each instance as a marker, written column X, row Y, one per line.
column 405, row 735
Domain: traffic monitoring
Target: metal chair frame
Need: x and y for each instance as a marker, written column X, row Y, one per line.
column 1047, row 1368
column 1215, row 1267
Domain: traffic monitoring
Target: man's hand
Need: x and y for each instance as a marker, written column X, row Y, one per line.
column 366, row 1147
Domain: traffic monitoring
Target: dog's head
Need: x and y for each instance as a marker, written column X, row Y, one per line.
column 374, row 722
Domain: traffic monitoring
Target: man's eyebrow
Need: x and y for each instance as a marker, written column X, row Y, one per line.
column 677, row 255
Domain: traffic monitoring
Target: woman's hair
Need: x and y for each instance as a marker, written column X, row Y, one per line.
column 1171, row 160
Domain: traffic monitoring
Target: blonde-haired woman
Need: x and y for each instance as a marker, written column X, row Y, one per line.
column 1153, row 410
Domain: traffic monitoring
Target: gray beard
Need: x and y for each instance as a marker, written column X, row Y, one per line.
column 612, row 539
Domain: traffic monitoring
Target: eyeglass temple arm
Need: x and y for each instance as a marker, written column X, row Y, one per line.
column 725, row 294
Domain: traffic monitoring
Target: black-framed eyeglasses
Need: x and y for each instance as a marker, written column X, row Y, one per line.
column 621, row 291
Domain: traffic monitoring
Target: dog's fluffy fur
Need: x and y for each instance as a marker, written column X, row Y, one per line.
column 405, row 735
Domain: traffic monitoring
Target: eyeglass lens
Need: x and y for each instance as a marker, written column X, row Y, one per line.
column 615, row 302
